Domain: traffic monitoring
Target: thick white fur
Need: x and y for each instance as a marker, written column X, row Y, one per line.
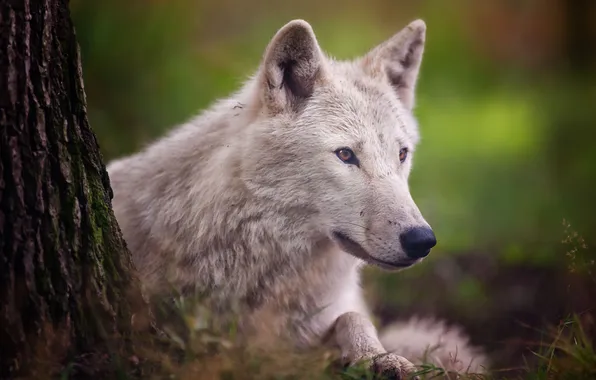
column 240, row 204
column 427, row 340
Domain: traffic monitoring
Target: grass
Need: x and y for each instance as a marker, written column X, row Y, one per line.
column 570, row 355
column 208, row 352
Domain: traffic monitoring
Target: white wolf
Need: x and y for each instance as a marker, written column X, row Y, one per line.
column 277, row 196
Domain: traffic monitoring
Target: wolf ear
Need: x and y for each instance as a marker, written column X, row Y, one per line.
column 399, row 60
column 291, row 67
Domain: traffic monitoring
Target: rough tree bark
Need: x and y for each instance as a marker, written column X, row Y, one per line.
column 66, row 276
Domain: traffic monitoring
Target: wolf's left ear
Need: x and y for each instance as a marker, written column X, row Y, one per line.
column 292, row 66
column 399, row 59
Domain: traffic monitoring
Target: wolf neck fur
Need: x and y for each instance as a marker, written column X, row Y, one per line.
column 264, row 246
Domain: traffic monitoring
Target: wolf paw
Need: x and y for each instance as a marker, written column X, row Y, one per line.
column 390, row 366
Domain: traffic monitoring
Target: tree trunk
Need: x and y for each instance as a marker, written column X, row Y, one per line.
column 65, row 274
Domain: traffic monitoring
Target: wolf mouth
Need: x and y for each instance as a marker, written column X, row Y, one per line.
column 355, row 249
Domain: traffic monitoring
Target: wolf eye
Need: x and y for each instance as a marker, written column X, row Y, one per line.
column 347, row 156
column 403, row 154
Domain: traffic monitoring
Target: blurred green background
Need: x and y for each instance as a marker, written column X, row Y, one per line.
column 507, row 109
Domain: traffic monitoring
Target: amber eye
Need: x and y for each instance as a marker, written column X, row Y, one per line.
column 347, row 156
column 403, row 154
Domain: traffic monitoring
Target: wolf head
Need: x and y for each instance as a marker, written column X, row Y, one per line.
column 337, row 140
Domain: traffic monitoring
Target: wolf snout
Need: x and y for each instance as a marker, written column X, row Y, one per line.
column 418, row 241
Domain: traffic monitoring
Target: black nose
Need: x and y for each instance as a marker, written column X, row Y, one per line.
column 418, row 241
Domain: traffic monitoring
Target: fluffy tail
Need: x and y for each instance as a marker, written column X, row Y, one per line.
column 430, row 341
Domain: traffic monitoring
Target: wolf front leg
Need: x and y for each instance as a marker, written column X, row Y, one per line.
column 357, row 339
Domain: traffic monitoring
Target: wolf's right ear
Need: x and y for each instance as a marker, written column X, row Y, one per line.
column 292, row 65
